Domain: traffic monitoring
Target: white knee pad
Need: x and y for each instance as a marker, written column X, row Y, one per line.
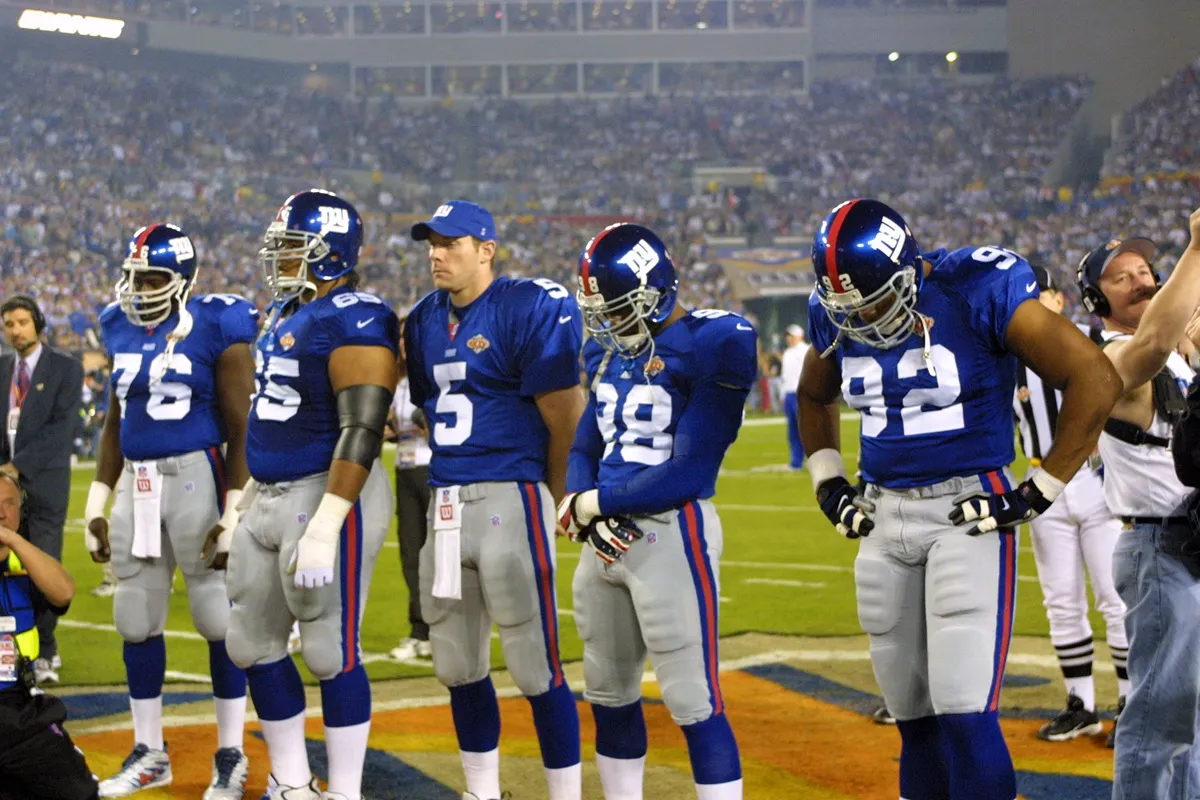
column 139, row 612
column 210, row 605
column 684, row 685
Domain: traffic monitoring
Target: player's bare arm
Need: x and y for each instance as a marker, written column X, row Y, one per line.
column 818, row 398
column 820, row 432
column 560, row 410
column 235, row 387
column 109, row 463
column 1139, row 358
column 1066, row 359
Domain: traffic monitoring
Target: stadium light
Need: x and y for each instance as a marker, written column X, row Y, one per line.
column 32, row 19
column 951, row 57
column 893, row 56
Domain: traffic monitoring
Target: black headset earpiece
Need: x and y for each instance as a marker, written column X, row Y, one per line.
column 1089, row 294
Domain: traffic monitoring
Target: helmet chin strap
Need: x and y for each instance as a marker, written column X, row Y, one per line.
column 182, row 329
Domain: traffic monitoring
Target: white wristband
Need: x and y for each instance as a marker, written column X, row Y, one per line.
column 229, row 520
column 825, row 464
column 587, row 507
column 1050, row 486
column 326, row 522
column 97, row 501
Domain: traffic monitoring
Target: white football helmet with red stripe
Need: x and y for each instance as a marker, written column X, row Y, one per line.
column 869, row 270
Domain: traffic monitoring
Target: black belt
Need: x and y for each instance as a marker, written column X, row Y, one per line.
column 1154, row 520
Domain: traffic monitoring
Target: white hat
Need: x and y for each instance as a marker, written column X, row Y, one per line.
column 795, row 330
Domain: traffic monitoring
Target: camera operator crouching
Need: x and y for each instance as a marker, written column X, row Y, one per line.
column 37, row 758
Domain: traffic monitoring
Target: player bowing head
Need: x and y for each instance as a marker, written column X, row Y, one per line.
column 925, row 346
column 639, row 485
column 627, row 288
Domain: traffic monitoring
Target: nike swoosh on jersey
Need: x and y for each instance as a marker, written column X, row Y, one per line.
column 364, row 322
column 741, row 327
column 1031, row 287
column 567, row 318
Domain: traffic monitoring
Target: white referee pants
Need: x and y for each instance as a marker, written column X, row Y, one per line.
column 1078, row 531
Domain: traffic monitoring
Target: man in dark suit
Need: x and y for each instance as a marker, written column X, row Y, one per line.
column 40, row 395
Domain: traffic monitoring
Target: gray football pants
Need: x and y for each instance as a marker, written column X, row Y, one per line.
column 193, row 494
column 265, row 599
column 937, row 604
column 508, row 562
column 659, row 600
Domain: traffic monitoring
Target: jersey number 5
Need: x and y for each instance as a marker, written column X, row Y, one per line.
column 450, row 403
column 168, row 401
column 931, row 409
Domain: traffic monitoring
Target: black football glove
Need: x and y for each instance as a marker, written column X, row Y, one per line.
column 611, row 537
column 848, row 510
column 1001, row 512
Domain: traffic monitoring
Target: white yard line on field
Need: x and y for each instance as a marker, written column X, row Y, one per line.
column 783, row 582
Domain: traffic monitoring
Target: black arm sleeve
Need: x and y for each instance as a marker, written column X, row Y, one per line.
column 362, row 415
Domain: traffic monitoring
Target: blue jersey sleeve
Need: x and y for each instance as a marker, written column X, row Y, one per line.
column 708, row 426
column 238, row 323
column 108, row 321
column 1005, row 281
column 364, row 321
column 583, row 462
column 820, row 329
column 549, row 338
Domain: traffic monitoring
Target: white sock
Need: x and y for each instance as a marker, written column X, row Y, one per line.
column 566, row 783
column 720, row 791
column 621, row 777
column 482, row 771
column 1123, row 687
column 231, row 721
column 1085, row 689
column 147, row 722
column 285, row 746
column 346, row 749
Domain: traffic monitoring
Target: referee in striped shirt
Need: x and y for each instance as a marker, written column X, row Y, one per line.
column 1078, row 531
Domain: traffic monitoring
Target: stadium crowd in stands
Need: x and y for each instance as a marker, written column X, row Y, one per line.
column 218, row 156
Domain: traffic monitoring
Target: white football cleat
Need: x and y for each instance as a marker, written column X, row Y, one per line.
column 143, row 769
column 410, row 648
column 277, row 792
column 44, row 671
column 229, row 773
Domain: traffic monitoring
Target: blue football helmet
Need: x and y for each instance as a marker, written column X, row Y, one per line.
column 158, row 250
column 627, row 282
column 320, row 230
column 869, row 271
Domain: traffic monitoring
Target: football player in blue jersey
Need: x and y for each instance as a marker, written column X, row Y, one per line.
column 173, row 445
column 925, row 346
column 668, row 389
column 321, row 503
column 494, row 364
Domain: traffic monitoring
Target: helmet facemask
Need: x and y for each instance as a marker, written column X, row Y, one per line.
column 283, row 245
column 150, row 307
column 883, row 319
column 622, row 326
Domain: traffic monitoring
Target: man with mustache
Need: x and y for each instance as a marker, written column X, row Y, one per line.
column 1155, row 566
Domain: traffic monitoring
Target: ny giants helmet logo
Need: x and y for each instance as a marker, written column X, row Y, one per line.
column 182, row 248
column 334, row 220
column 889, row 240
column 641, row 259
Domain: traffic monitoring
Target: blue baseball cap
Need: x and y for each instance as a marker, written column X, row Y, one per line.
column 455, row 219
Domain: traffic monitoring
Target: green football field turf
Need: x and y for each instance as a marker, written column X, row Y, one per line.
column 785, row 570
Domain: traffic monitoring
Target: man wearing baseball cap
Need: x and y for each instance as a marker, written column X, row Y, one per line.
column 789, row 375
column 493, row 363
column 1153, row 569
